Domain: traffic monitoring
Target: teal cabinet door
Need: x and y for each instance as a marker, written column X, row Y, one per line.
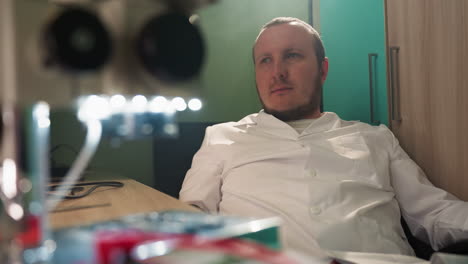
column 354, row 37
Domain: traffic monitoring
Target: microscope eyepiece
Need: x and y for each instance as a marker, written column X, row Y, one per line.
column 77, row 41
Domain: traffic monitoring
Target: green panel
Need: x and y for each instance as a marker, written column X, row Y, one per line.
column 268, row 237
column 351, row 30
column 228, row 81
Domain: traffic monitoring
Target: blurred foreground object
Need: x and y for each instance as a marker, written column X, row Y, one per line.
column 69, row 48
column 134, row 236
column 94, row 54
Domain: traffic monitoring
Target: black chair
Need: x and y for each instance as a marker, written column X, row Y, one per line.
column 172, row 158
column 424, row 250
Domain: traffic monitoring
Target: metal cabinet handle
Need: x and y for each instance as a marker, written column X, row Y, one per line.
column 371, row 86
column 395, row 83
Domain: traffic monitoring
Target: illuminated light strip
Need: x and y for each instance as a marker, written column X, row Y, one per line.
column 139, row 104
column 195, row 104
column 117, row 101
column 179, row 104
column 102, row 107
column 158, row 105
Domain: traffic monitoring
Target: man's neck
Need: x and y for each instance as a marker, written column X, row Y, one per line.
column 301, row 124
column 314, row 115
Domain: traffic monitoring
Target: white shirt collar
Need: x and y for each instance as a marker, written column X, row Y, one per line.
column 274, row 126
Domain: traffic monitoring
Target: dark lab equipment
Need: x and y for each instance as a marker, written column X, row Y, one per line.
column 76, row 41
column 170, row 47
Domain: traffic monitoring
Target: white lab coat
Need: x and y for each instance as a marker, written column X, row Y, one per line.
column 338, row 185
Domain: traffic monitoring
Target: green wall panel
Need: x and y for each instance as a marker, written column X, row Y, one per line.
column 227, row 80
column 350, row 31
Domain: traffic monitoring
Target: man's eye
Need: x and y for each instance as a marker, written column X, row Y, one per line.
column 265, row 60
column 293, row 55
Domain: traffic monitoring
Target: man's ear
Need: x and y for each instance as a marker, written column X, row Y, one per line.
column 324, row 70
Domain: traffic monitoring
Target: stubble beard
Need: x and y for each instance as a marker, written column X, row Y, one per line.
column 301, row 111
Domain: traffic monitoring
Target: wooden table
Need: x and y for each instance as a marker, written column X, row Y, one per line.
column 132, row 198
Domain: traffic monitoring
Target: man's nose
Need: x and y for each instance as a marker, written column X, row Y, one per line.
column 280, row 71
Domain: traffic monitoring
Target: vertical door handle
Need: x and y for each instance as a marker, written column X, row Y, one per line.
column 395, row 83
column 371, row 86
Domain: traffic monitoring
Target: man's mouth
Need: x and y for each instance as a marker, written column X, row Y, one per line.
column 280, row 90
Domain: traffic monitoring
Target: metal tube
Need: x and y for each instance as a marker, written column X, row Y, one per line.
column 394, row 83
column 371, row 86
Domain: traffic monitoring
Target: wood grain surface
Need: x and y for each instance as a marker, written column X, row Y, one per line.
column 113, row 203
column 433, row 87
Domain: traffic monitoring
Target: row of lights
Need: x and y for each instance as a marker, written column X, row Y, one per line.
column 102, row 107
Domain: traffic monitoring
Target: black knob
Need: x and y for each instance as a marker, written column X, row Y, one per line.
column 76, row 41
column 170, row 47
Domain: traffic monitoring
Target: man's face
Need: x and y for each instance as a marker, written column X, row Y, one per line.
column 288, row 77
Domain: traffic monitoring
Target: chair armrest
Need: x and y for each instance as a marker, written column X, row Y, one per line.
column 425, row 251
column 460, row 248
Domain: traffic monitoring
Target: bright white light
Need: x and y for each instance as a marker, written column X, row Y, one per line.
column 255, row 227
column 179, row 104
column 41, row 113
column 50, row 245
column 153, row 249
column 158, row 104
column 94, row 107
column 41, row 110
column 25, row 185
column 82, row 115
column 159, row 248
column 142, row 252
column 117, row 101
column 169, row 110
column 139, row 103
column 43, row 123
column 139, row 100
column 9, row 178
column 94, row 130
column 147, row 129
column 195, row 104
column 170, row 129
column 15, row 211
column 193, row 19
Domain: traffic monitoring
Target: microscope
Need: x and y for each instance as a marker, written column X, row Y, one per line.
column 126, row 66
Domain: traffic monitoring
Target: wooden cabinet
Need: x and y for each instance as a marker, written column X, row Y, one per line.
column 428, row 86
column 353, row 33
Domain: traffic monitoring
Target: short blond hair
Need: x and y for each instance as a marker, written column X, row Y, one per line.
column 318, row 44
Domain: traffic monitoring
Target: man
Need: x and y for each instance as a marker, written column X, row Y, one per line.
column 336, row 184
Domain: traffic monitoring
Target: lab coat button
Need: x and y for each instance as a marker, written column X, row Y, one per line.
column 310, row 173
column 315, row 210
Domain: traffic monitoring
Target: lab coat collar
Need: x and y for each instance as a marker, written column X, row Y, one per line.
column 271, row 125
column 328, row 121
